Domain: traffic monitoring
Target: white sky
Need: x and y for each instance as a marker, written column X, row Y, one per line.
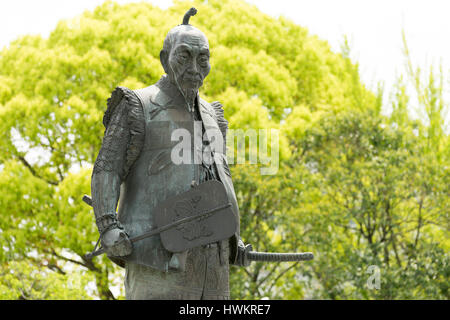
column 372, row 26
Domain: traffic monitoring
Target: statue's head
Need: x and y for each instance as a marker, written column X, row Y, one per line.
column 185, row 55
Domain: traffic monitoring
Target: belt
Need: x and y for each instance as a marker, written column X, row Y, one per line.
column 217, row 245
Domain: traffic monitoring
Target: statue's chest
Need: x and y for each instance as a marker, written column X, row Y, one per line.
column 167, row 125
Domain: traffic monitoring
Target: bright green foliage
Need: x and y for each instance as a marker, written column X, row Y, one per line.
column 385, row 203
column 23, row 281
column 353, row 186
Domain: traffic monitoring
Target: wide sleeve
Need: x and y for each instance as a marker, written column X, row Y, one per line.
column 121, row 146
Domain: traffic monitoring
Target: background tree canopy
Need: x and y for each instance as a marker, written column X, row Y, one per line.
column 354, row 186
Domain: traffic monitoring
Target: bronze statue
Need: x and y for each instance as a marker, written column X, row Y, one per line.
column 177, row 227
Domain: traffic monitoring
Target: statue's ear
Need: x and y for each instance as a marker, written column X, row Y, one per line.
column 164, row 58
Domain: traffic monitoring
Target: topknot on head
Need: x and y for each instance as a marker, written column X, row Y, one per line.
column 191, row 12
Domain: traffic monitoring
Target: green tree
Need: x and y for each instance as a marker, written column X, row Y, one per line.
column 384, row 202
column 353, row 186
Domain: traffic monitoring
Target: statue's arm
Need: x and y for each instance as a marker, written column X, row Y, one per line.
column 121, row 146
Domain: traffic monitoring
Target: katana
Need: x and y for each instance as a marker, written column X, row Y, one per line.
column 198, row 217
column 250, row 255
column 156, row 231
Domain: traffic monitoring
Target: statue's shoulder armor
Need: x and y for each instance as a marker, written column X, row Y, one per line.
column 220, row 118
column 114, row 101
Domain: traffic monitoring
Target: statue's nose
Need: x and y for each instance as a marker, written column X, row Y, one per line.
column 193, row 68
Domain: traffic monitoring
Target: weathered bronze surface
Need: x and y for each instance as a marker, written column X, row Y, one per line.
column 136, row 165
column 177, row 226
column 206, row 210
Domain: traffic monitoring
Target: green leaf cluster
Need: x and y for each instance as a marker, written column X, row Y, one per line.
column 354, row 186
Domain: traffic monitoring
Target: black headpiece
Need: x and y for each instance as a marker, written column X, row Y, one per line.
column 191, row 12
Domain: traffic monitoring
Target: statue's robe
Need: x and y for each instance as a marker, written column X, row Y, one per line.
column 136, row 157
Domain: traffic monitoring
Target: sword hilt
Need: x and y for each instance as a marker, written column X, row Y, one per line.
column 249, row 255
column 279, row 257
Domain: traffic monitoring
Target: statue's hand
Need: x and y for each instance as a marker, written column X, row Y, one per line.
column 117, row 243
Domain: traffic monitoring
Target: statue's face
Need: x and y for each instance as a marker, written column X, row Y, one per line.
column 189, row 59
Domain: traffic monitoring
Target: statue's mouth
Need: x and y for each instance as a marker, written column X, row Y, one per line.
column 192, row 79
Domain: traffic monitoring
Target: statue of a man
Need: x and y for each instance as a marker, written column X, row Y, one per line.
column 136, row 164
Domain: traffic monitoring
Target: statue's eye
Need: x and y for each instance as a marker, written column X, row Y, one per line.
column 183, row 56
column 203, row 60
